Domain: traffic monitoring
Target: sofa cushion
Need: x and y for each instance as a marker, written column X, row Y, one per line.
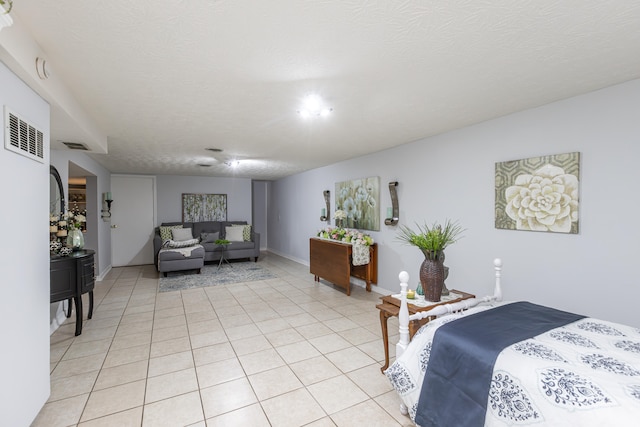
column 209, row 237
column 236, row 246
column 234, row 234
column 181, row 234
column 165, row 231
column 168, row 254
column 206, row 227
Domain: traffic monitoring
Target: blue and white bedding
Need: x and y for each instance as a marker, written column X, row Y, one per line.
column 586, row 373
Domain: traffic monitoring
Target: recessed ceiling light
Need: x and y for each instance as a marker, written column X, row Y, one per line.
column 314, row 106
column 204, row 165
column 215, row 150
column 233, row 163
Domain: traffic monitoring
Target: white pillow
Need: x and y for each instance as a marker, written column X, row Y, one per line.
column 233, row 234
column 181, row 234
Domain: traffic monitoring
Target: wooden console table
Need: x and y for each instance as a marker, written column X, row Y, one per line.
column 70, row 277
column 390, row 307
column 332, row 261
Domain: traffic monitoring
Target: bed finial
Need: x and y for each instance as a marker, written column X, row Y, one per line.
column 497, row 292
column 403, row 314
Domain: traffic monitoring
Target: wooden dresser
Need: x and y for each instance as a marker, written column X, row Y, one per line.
column 332, row 262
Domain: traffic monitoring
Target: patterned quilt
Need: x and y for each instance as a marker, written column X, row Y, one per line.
column 586, row 373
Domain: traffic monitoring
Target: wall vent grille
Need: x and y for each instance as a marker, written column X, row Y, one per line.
column 22, row 137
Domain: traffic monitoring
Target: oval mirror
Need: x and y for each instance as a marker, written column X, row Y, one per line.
column 56, row 193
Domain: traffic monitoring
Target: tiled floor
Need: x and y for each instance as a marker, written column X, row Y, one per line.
column 280, row 352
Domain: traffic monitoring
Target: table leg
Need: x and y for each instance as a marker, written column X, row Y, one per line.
column 78, row 299
column 90, row 314
column 385, row 339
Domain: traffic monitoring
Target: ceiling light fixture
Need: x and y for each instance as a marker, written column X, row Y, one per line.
column 233, row 163
column 215, row 150
column 314, row 106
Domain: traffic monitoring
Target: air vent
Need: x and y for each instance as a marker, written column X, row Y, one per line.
column 22, row 137
column 76, row 146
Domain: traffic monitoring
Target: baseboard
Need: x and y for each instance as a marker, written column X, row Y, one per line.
column 102, row 275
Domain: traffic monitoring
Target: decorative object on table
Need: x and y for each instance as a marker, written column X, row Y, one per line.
column 538, row 194
column 204, row 207
column 341, row 217
column 222, row 242
column 74, row 223
column 393, row 213
column 432, row 240
column 324, row 213
column 65, row 251
column 360, row 200
column 54, row 246
column 359, row 240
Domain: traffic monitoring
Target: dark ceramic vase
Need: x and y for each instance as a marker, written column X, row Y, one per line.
column 432, row 275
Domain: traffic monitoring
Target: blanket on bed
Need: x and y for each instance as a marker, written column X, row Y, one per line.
column 463, row 354
column 586, row 373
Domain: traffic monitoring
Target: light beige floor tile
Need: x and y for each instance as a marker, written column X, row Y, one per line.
column 170, row 333
column 349, row 359
column 170, row 363
column 322, row 422
column 340, row 324
column 95, row 334
column 127, row 355
column 170, row 385
column 261, row 361
column 175, row 345
column 128, row 418
column 82, row 349
column 296, row 352
column 273, row 325
column 237, row 320
column 371, row 380
column 250, row 345
column 137, row 318
column 329, row 343
column 314, row 370
column 81, row 365
column 219, row 372
column 390, row 402
column 365, row 414
column 132, row 340
column 227, row 397
column 177, row 411
column 359, row 336
column 284, row 337
column 336, row 394
column 114, row 399
column 134, row 328
column 209, row 338
column 121, row 374
column 213, row 353
column 244, row 331
column 65, row 387
column 296, row 408
column 174, row 308
column 313, row 330
column 252, row 415
column 169, row 322
column 274, row 382
column 204, row 327
column 201, row 316
column 61, row 413
column 300, row 320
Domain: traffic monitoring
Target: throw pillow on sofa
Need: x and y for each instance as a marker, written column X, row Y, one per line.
column 233, row 234
column 181, row 234
column 209, row 237
column 246, row 231
column 165, row 231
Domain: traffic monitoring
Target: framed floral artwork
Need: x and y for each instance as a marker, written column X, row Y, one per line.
column 204, row 207
column 359, row 200
column 539, row 194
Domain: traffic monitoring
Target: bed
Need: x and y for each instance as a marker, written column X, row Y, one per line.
column 486, row 362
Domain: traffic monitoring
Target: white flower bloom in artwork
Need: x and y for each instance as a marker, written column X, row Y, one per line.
column 340, row 214
column 547, row 200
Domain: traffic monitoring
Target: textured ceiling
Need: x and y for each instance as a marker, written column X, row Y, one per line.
column 165, row 80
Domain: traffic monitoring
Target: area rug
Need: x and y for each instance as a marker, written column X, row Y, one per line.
column 210, row 275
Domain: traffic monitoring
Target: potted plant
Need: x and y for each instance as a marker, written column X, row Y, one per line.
column 432, row 241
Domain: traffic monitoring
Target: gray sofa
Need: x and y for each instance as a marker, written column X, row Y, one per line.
column 173, row 261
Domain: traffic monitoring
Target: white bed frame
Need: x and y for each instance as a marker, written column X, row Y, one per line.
column 404, row 318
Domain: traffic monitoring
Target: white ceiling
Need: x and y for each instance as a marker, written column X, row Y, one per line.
column 165, row 80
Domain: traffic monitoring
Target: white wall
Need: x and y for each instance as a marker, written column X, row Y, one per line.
column 259, row 218
column 452, row 176
column 98, row 235
column 170, row 189
column 24, row 262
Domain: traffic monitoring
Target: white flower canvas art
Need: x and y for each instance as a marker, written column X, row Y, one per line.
column 539, row 194
column 359, row 199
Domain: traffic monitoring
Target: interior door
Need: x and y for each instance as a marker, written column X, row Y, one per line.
column 132, row 219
